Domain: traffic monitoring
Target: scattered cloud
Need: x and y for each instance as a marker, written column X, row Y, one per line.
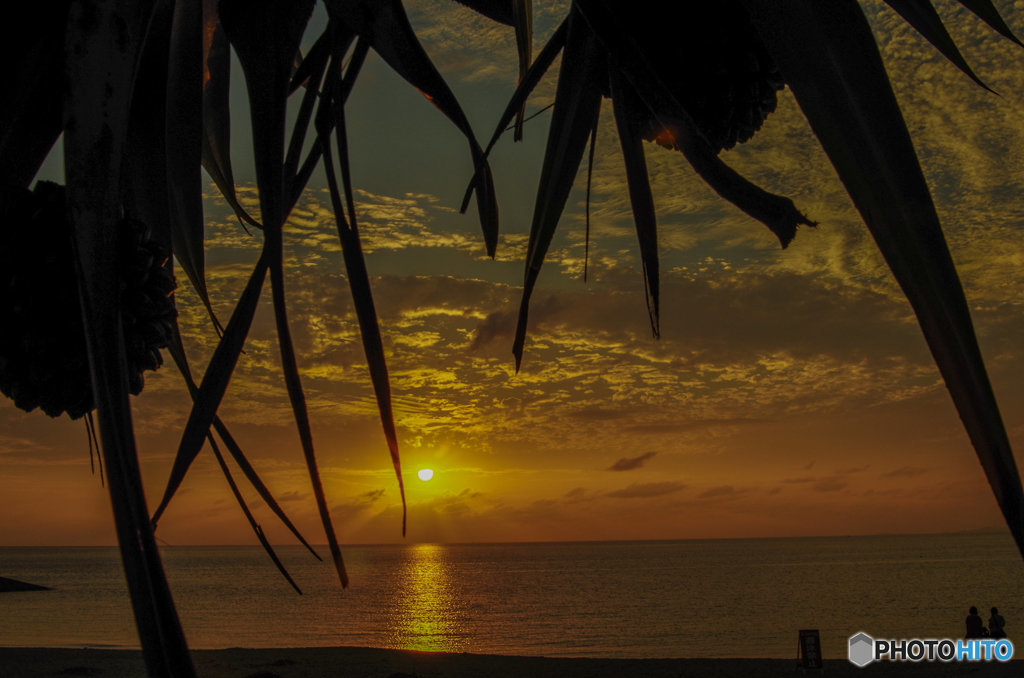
column 293, row 495
column 720, row 491
column 764, row 354
column 576, row 494
column 632, row 463
column 359, row 503
column 905, row 472
column 645, row 490
column 829, row 485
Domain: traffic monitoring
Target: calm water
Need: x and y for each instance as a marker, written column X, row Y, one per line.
column 730, row 598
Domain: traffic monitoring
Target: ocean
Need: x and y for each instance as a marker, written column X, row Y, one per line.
column 707, row 598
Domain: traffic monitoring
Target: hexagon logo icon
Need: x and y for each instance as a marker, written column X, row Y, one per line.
column 862, row 649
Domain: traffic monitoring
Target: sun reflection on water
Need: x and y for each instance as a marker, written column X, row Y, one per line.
column 428, row 610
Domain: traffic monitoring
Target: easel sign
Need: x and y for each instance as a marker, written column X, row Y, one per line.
column 810, row 650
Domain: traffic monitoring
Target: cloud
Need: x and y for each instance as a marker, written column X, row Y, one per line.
column 360, row 502
column 721, row 491
column 18, row 446
column 696, row 425
column 501, row 325
column 631, row 463
column 644, row 490
column 905, row 472
column 601, row 413
column 473, row 47
column 293, row 495
column 751, row 335
column 829, row 485
column 575, row 494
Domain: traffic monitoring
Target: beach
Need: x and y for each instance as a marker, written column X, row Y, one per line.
column 345, row 662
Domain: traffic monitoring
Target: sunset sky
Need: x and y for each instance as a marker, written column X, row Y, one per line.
column 791, row 392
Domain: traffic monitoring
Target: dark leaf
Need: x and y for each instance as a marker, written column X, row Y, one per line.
column 776, row 212
column 145, row 181
column 144, row 168
column 216, row 151
column 266, row 37
column 214, row 383
column 497, row 10
column 315, row 61
column 94, row 444
column 311, row 72
column 828, row 56
column 922, row 16
column 990, row 15
column 385, row 25
column 332, row 115
column 577, row 103
column 355, row 64
column 628, row 111
column 31, row 111
column 104, row 41
column 177, row 351
column 526, row 86
column 183, row 141
column 530, row 81
column 522, row 12
column 299, row 409
column 590, row 174
column 248, row 515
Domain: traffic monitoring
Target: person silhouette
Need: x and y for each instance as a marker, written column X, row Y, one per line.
column 996, row 625
column 975, row 629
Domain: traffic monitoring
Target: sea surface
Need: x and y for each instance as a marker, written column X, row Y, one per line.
column 713, row 598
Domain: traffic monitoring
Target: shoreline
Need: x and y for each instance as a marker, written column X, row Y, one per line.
column 356, row 662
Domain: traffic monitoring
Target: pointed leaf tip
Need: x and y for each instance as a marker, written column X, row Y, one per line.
column 926, row 21
column 828, row 55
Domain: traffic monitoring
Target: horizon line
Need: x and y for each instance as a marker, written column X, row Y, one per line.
column 164, row 544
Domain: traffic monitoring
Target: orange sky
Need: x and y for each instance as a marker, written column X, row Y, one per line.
column 791, row 392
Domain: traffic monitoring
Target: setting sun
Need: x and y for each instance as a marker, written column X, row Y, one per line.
column 425, row 474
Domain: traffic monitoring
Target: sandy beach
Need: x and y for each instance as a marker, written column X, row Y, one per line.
column 343, row 662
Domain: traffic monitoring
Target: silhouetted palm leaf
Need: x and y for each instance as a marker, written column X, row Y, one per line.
column 31, row 110
column 331, row 116
column 626, row 115
column 97, row 109
column 833, row 67
column 990, row 15
column 518, row 14
column 577, row 101
column 384, row 25
column 216, row 156
column 146, row 102
column 923, row 17
column 177, row 351
column 826, row 53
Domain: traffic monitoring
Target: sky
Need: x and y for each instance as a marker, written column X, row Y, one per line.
column 790, row 393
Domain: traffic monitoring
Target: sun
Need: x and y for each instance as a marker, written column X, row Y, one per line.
column 425, row 474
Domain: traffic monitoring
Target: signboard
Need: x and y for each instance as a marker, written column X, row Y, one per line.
column 810, row 650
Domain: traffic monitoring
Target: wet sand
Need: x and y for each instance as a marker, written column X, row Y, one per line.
column 344, row 662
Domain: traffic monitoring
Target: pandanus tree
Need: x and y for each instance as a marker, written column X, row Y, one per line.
column 138, row 90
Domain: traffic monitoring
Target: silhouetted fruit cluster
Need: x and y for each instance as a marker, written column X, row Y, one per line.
column 43, row 360
column 710, row 56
